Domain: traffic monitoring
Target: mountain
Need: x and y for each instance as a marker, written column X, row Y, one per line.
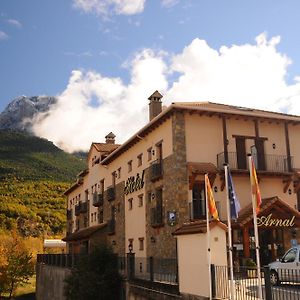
column 34, row 173
column 19, row 112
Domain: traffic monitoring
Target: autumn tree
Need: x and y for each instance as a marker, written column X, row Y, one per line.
column 16, row 264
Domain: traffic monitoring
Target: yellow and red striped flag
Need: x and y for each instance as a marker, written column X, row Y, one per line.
column 254, row 186
column 210, row 200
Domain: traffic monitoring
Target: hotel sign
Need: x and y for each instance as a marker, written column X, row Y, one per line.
column 134, row 183
column 270, row 221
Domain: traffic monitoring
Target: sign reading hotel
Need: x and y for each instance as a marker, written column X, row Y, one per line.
column 269, row 221
column 134, row 183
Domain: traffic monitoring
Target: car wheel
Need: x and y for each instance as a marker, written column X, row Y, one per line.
column 274, row 278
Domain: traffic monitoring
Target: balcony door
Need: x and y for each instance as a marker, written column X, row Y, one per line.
column 261, row 163
column 241, row 153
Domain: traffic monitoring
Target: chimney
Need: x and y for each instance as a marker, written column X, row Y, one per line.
column 110, row 138
column 155, row 105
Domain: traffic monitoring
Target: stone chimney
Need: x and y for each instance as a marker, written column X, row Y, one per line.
column 155, row 105
column 110, row 138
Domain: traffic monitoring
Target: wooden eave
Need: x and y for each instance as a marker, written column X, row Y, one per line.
column 202, row 111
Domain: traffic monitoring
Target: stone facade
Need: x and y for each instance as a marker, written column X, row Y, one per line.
column 174, row 184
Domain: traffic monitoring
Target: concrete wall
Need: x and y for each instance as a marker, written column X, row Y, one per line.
column 50, row 282
column 192, row 260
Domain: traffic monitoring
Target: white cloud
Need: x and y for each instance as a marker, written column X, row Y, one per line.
column 251, row 75
column 169, row 3
column 74, row 122
column 15, row 23
column 3, row 35
column 108, row 7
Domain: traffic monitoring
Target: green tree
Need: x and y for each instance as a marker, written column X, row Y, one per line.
column 95, row 277
column 16, row 265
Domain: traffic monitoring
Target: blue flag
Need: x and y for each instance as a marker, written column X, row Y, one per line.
column 235, row 206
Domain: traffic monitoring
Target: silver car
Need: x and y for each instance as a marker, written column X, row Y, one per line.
column 287, row 269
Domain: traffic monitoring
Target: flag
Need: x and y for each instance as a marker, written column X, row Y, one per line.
column 210, row 200
column 254, row 186
column 235, row 206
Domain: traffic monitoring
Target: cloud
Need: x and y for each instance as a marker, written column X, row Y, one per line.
column 15, row 23
column 75, row 121
column 108, row 7
column 3, row 35
column 250, row 75
column 169, row 3
column 79, row 55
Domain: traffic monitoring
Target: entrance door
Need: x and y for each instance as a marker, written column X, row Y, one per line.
column 266, row 244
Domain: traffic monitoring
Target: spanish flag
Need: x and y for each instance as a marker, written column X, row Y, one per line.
column 254, row 186
column 210, row 200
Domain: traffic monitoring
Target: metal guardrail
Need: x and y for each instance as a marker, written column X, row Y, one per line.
column 156, row 170
column 246, row 283
column 271, row 163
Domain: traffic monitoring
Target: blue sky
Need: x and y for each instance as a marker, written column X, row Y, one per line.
column 44, row 44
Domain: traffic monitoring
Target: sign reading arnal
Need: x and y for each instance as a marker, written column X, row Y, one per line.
column 269, row 221
column 134, row 183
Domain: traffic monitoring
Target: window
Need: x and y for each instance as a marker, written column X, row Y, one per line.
column 113, row 178
column 149, row 197
column 129, row 164
column 141, row 244
column 140, row 159
column 119, row 173
column 101, row 216
column 141, row 200
column 149, row 153
column 102, row 186
column 86, row 195
column 198, row 211
column 130, row 204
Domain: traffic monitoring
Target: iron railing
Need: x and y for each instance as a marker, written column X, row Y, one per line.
column 81, row 207
column 69, row 214
column 111, row 226
column 97, row 199
column 163, row 270
column 282, row 284
column 270, row 163
column 156, row 170
column 111, row 193
column 156, row 216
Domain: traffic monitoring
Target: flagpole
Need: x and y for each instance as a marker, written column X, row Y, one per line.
column 254, row 206
column 232, row 289
column 208, row 238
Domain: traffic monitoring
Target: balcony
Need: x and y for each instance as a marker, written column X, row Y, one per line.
column 97, row 199
column 81, row 207
column 156, row 216
column 111, row 226
column 156, row 170
column 111, row 194
column 267, row 163
column 77, row 209
column 69, row 214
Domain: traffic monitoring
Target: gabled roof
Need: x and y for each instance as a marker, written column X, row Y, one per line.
column 103, row 147
column 198, row 227
column 269, row 205
column 84, row 233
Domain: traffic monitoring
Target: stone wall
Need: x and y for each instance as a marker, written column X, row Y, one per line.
column 174, row 184
column 116, row 239
column 137, row 292
column 50, row 282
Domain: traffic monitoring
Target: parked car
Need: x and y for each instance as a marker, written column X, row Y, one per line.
column 287, row 268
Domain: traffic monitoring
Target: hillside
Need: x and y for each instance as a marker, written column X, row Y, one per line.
column 33, row 176
column 32, row 158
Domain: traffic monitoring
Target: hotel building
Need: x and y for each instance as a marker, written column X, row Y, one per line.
column 136, row 195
